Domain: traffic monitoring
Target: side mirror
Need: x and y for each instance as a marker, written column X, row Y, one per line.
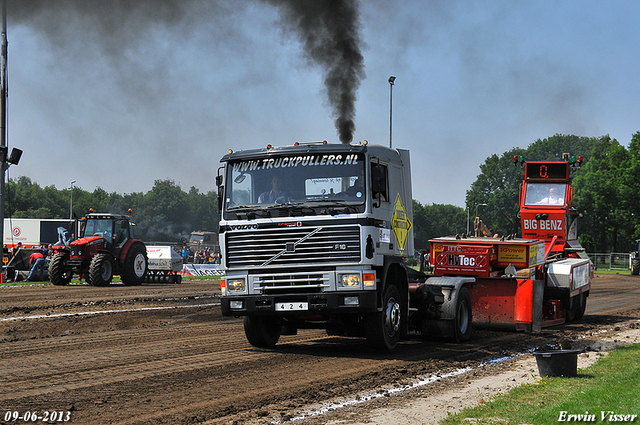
column 220, row 195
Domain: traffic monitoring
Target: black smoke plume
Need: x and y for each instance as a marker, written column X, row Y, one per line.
column 330, row 33
column 328, row 29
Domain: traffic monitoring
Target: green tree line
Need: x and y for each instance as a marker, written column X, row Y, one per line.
column 166, row 213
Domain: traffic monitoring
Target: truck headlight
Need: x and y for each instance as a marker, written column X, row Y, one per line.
column 236, row 285
column 349, row 280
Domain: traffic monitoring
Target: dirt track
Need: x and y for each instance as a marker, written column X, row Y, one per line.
column 164, row 354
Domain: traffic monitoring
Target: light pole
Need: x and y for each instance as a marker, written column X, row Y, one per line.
column 392, row 80
column 71, row 202
column 479, row 205
column 468, row 208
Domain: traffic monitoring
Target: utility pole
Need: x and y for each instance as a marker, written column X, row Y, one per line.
column 5, row 161
column 3, row 119
column 392, row 80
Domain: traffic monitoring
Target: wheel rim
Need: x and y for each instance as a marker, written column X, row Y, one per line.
column 463, row 314
column 139, row 265
column 105, row 270
column 392, row 317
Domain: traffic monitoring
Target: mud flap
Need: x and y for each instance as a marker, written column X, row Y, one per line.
column 538, row 302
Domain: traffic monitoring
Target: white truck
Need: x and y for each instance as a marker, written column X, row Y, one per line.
column 328, row 252
column 35, row 232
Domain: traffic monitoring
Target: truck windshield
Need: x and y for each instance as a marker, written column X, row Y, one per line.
column 287, row 180
column 545, row 194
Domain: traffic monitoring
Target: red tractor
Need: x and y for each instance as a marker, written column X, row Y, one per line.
column 104, row 248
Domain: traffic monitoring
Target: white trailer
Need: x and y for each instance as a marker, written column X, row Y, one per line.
column 164, row 265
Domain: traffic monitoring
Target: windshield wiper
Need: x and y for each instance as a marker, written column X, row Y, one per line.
column 284, row 205
column 240, row 207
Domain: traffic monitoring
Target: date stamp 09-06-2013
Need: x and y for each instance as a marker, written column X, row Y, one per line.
column 45, row 416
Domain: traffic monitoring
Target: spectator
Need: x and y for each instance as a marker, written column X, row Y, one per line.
column 16, row 248
column 185, row 255
column 37, row 262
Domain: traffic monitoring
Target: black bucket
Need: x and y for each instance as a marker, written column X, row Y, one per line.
column 557, row 363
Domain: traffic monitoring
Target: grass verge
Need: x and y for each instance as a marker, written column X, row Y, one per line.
column 611, row 386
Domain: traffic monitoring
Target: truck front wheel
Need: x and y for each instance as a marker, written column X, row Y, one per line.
column 100, row 270
column 262, row 332
column 383, row 328
column 58, row 273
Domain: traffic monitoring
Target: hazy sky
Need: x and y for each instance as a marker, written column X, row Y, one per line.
column 117, row 94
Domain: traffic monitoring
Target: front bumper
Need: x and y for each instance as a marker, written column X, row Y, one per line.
column 324, row 304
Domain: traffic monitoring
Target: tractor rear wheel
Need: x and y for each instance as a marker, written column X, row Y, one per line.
column 58, row 273
column 100, row 270
column 135, row 265
column 635, row 266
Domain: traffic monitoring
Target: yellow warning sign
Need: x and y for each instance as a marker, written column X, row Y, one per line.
column 400, row 223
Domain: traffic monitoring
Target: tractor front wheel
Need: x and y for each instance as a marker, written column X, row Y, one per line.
column 58, row 272
column 100, row 270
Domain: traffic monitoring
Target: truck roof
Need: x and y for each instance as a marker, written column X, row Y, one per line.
column 309, row 148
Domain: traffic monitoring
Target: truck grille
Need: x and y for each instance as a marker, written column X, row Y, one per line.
column 293, row 246
column 289, row 283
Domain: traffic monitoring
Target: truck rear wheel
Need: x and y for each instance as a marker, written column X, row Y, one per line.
column 383, row 328
column 100, row 270
column 577, row 306
column 135, row 266
column 583, row 306
column 262, row 332
column 463, row 329
column 58, row 273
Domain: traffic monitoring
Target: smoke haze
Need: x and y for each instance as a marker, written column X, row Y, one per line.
column 328, row 29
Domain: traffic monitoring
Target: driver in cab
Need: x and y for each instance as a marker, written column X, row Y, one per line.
column 553, row 198
column 276, row 195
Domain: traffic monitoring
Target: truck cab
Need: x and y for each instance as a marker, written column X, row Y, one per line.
column 313, row 235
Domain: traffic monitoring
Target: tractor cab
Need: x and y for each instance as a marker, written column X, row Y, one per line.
column 546, row 199
column 113, row 228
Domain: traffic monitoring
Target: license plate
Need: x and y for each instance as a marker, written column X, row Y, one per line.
column 293, row 306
